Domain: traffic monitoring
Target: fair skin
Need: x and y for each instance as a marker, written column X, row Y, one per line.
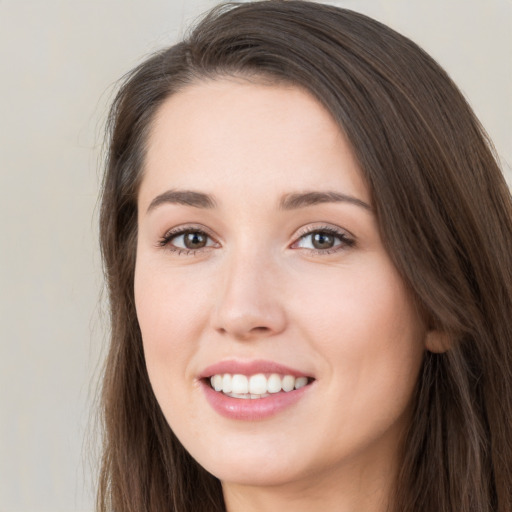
column 258, row 276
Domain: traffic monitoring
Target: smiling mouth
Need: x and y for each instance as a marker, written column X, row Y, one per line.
column 255, row 386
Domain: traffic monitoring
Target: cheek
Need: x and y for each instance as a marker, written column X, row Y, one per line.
column 172, row 310
column 369, row 333
column 169, row 314
column 368, row 303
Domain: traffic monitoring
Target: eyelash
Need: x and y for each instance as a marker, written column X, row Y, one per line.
column 346, row 240
column 165, row 241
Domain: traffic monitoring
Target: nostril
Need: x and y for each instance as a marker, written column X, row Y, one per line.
column 245, row 334
column 260, row 329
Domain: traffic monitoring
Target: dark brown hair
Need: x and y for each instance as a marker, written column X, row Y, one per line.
column 444, row 212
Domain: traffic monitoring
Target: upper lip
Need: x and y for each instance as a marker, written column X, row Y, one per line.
column 249, row 368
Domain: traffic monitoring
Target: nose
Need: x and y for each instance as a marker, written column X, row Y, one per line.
column 250, row 303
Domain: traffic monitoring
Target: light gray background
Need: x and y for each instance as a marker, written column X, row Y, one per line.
column 59, row 62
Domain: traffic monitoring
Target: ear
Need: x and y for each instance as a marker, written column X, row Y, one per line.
column 438, row 341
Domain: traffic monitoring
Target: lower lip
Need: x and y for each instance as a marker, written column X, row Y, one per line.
column 252, row 409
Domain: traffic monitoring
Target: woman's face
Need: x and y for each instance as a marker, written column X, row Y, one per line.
column 259, row 256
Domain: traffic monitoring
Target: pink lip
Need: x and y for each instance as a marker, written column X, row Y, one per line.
column 250, row 409
column 249, row 368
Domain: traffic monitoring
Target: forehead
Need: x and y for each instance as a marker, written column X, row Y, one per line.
column 234, row 134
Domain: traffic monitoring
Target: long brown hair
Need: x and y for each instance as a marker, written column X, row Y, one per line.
column 444, row 213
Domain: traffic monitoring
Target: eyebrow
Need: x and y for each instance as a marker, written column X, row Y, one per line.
column 288, row 202
column 301, row 200
column 185, row 197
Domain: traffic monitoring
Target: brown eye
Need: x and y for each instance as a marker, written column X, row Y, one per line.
column 322, row 240
column 195, row 240
column 187, row 241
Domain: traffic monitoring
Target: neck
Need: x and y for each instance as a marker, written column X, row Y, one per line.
column 352, row 488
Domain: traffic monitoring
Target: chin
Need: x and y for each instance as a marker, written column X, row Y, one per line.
column 245, row 463
column 257, row 474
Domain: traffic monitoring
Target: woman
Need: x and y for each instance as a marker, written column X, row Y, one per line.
column 307, row 242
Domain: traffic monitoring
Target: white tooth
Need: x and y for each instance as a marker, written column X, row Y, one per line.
column 288, row 382
column 274, row 383
column 226, row 383
column 300, row 382
column 255, row 396
column 243, row 396
column 240, row 384
column 216, row 381
column 258, row 384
